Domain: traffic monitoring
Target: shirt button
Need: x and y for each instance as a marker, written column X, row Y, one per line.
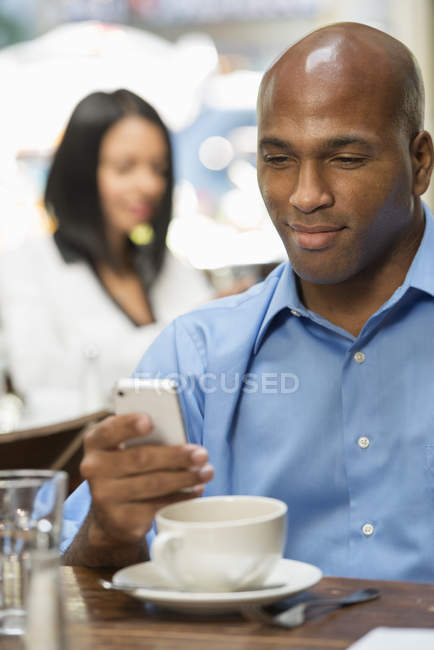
column 368, row 529
column 295, row 313
column 359, row 357
column 363, row 442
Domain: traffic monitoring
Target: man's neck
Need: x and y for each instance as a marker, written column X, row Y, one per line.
column 350, row 304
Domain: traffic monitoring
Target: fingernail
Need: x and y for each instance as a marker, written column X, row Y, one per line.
column 198, row 489
column 206, row 472
column 199, row 455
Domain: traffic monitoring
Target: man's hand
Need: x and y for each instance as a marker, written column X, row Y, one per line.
column 128, row 486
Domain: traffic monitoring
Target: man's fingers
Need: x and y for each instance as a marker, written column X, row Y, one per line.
column 129, row 522
column 116, row 429
column 141, row 459
column 130, row 483
column 150, row 486
column 160, row 502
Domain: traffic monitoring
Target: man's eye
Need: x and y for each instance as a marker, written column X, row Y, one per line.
column 276, row 160
column 349, row 161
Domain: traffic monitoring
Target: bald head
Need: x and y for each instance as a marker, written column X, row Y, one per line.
column 361, row 58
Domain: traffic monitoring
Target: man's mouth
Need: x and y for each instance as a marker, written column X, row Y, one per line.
column 317, row 237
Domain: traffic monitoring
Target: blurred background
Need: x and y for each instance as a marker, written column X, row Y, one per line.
column 199, row 62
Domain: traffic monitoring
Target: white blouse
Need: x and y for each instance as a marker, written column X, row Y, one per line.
column 66, row 339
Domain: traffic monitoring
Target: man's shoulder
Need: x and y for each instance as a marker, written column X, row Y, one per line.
column 238, row 306
column 226, row 329
column 216, row 336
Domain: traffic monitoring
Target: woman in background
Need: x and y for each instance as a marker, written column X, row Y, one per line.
column 79, row 309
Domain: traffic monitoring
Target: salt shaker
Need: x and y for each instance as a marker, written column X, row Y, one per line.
column 45, row 626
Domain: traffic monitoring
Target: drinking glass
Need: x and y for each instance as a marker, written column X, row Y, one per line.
column 31, row 504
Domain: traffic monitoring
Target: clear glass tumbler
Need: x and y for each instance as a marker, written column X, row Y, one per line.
column 31, row 506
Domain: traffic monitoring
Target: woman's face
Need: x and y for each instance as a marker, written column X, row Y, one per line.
column 131, row 173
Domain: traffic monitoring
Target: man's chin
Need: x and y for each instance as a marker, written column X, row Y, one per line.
column 320, row 276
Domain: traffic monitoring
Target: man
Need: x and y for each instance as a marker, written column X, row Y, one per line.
column 315, row 386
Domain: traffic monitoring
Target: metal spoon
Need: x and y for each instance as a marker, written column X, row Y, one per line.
column 296, row 614
column 123, row 587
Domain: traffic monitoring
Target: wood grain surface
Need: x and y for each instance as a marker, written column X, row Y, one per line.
column 103, row 620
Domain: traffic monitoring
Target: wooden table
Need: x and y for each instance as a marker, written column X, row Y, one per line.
column 102, row 620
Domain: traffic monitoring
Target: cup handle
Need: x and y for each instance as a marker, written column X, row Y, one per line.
column 164, row 555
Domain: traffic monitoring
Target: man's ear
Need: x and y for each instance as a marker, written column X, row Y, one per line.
column 422, row 156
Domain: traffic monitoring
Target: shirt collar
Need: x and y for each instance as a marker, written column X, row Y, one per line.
column 421, row 272
column 419, row 276
column 285, row 296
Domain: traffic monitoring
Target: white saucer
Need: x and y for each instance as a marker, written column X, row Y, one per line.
column 296, row 576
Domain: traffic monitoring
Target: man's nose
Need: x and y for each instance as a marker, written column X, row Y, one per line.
column 311, row 191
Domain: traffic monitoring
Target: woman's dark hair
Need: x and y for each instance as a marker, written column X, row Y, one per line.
column 71, row 194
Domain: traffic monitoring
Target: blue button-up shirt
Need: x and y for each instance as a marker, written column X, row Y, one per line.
column 340, row 428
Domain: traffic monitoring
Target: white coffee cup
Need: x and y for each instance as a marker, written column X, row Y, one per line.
column 219, row 543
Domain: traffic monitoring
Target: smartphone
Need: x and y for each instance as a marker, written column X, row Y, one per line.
column 158, row 398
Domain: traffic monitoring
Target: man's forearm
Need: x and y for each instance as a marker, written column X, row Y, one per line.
column 93, row 549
